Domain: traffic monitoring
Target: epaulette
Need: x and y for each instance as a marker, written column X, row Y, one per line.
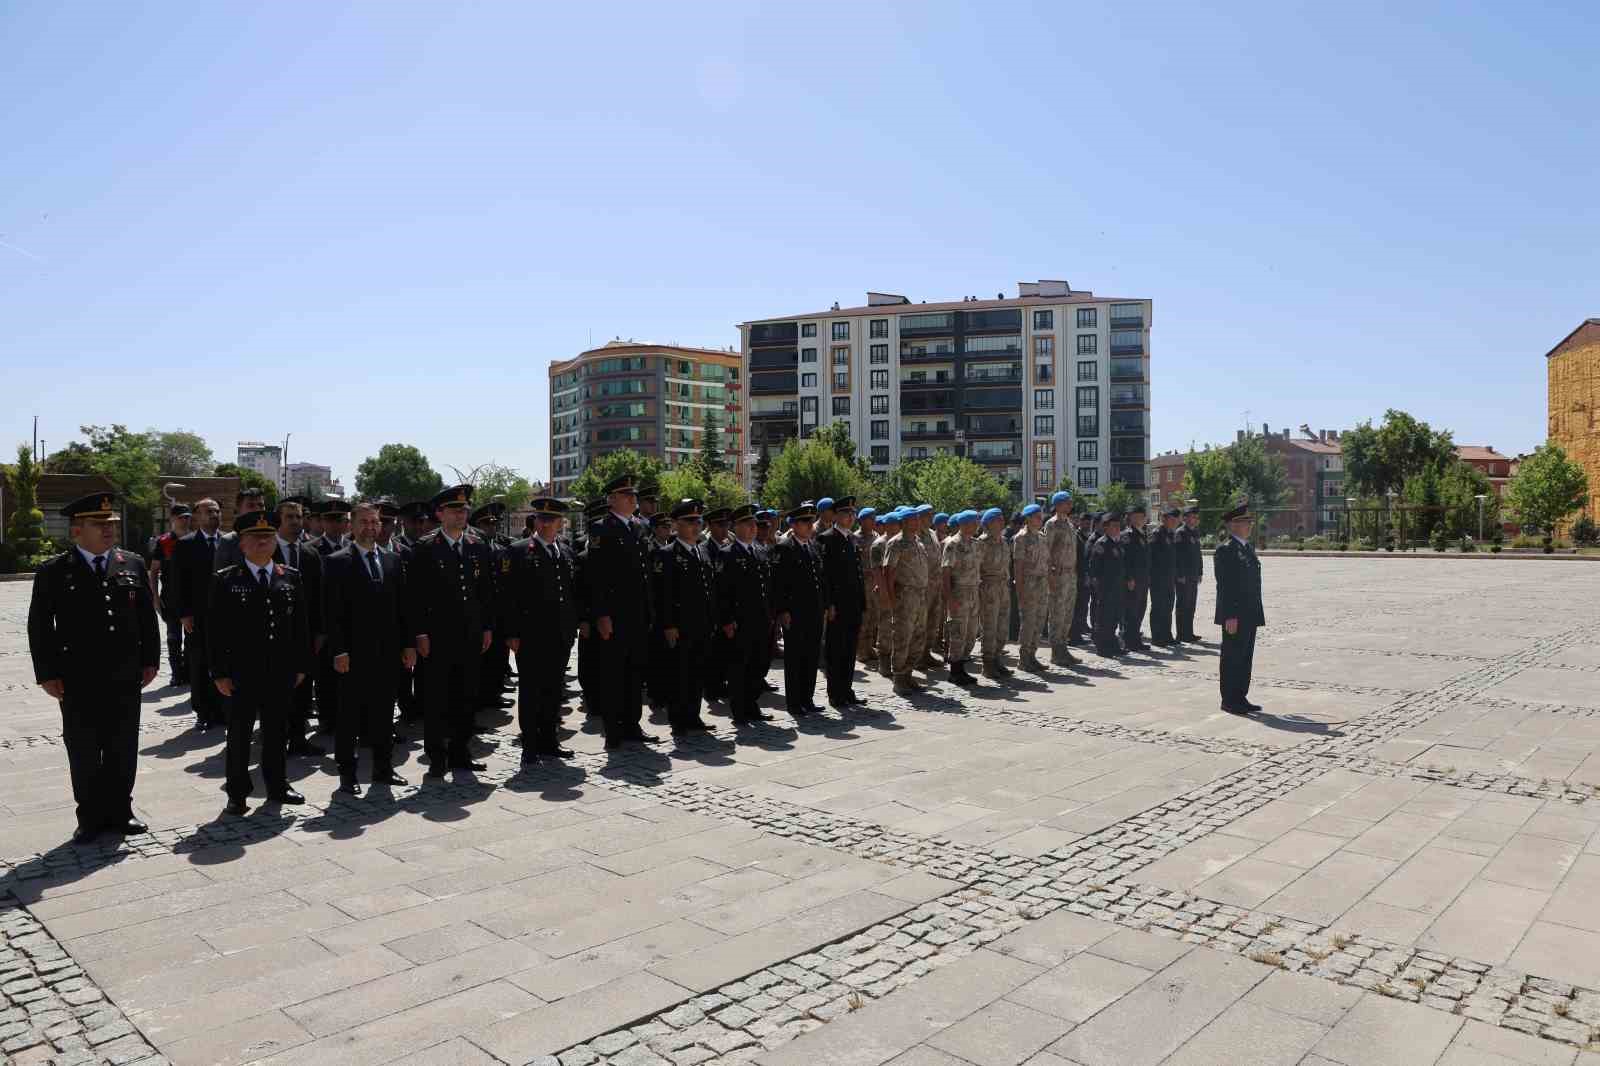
column 285, row 568
column 229, row 571
column 429, row 537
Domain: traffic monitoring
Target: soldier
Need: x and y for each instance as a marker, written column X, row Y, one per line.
column 907, row 571
column 304, row 558
column 587, row 657
column 496, row 664
column 718, row 536
column 92, row 635
column 260, row 649
column 863, row 536
column 799, row 597
column 410, row 517
column 961, row 570
column 1136, row 568
column 883, row 652
column 1030, row 562
column 193, row 569
column 1163, row 575
column 659, row 673
column 335, row 515
column 229, row 551
column 847, row 603
column 744, row 613
column 994, row 566
column 685, row 615
column 934, row 537
column 1109, row 577
column 619, row 611
column 363, row 598
column 1080, row 609
column 1239, row 611
column 539, row 621
column 1061, row 548
column 162, row 565
column 766, row 542
column 450, row 607
column 1190, row 570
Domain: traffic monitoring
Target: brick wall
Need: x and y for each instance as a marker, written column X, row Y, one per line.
column 1574, row 400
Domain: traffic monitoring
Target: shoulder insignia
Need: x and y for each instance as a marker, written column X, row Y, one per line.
column 277, row 569
column 505, row 565
column 120, row 557
column 658, row 566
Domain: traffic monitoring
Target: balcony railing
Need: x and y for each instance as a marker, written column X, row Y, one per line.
column 1127, row 321
column 775, row 333
column 943, row 355
column 923, row 325
column 1001, row 319
column 774, row 359
column 927, row 434
column 943, row 379
column 762, row 384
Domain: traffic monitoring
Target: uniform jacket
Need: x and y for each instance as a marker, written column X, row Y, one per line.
column 259, row 640
column 1135, row 556
column 1238, row 573
column 961, row 560
column 1061, row 544
column 539, row 595
column 229, row 551
column 685, row 585
column 742, row 597
column 363, row 618
column 310, row 566
column 909, row 559
column 1031, row 554
column 841, row 572
column 450, row 599
column 1163, row 558
column 797, row 581
column 994, row 558
column 195, row 564
column 80, row 627
column 1190, row 559
column 1106, row 568
column 619, row 587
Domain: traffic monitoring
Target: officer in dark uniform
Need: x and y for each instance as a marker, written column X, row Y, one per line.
column 92, row 634
column 1239, row 611
column 685, row 612
column 450, row 607
column 717, row 537
column 304, row 558
column 744, row 615
column 193, row 568
column 1190, row 571
column 586, row 638
column 539, row 621
column 335, row 515
column 846, row 603
column 798, row 597
column 1108, row 574
column 1136, row 568
column 765, row 542
column 496, row 665
column 659, row 675
column 1080, row 608
column 619, row 612
column 363, row 589
column 260, row 649
column 1163, row 578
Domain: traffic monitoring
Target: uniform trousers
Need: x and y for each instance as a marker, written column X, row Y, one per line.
column 267, row 703
column 1063, row 601
column 1133, row 606
column 1187, row 593
column 449, row 704
column 1033, row 605
column 617, row 679
column 714, row 659
column 175, row 659
column 934, row 634
column 1162, row 597
column 746, row 669
column 994, row 609
column 203, row 695
column 1238, row 656
column 100, row 729
column 366, row 715
column 910, row 620
column 691, row 662
column 541, row 693
column 867, row 641
column 961, row 628
column 802, row 649
column 1080, row 615
column 839, row 654
column 1105, row 623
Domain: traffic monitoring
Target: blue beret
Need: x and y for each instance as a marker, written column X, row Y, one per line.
column 866, row 513
column 892, row 518
column 825, row 504
column 991, row 514
column 924, row 508
column 1031, row 510
column 963, row 517
column 940, row 519
column 1060, row 497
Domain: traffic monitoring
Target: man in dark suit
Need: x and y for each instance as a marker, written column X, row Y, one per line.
column 1239, row 611
column 619, row 612
column 1135, row 568
column 495, row 669
column 1190, row 571
column 1080, row 609
column 93, row 637
column 260, row 649
column 744, row 617
column 718, row 536
column 1108, row 577
column 538, row 622
column 846, row 601
column 335, row 516
column 363, row 593
column 798, row 596
column 1163, row 578
column 684, row 615
column 450, row 607
column 193, row 568
column 229, row 552
column 292, row 551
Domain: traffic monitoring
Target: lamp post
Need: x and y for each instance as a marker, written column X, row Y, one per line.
column 1388, row 516
column 1480, row 497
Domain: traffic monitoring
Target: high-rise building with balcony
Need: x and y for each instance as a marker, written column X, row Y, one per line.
column 264, row 459
column 1055, row 381
column 652, row 398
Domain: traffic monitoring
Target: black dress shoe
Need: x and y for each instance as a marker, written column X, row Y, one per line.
column 1240, row 708
column 767, row 686
column 84, row 834
column 530, row 757
column 467, row 764
column 305, row 747
column 349, row 786
column 614, row 743
column 557, row 752
column 288, row 796
column 1255, row 708
column 387, row 777
column 435, row 771
column 799, row 712
column 235, row 807
column 201, row 725
column 643, row 738
column 128, row 827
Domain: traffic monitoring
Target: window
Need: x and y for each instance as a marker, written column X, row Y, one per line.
column 1088, row 370
column 1088, row 451
column 1088, row 398
column 808, row 406
column 841, row 405
column 841, row 357
column 841, row 331
column 808, row 381
column 1044, row 347
column 1044, row 320
column 809, row 329
column 1088, row 424
column 1088, row 477
column 841, row 380
column 1044, row 399
column 1088, row 343
column 1127, row 341
column 880, row 429
column 880, row 379
column 916, row 453
column 878, row 327
column 879, row 354
column 880, row 454
column 1044, row 425
column 1010, row 343
column 1044, row 452
column 808, row 355
column 880, row 405
column 1088, row 318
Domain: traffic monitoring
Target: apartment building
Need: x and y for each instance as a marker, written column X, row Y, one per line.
column 1054, row 381
column 310, row 479
column 1313, row 466
column 652, row 398
column 264, row 459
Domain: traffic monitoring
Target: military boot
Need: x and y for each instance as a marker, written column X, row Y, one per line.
column 959, row 675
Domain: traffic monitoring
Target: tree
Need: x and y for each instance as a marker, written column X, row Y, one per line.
column 491, row 480
column 1459, row 487
column 1117, row 496
column 249, row 479
column 128, row 461
column 836, row 435
column 952, row 484
column 1257, row 473
column 758, row 475
column 1066, row 485
column 180, row 452
column 75, row 458
column 591, row 484
column 1548, row 487
column 1378, row 459
column 1208, row 479
column 810, row 470
column 400, row 472
column 26, row 545
column 710, row 459
column 688, row 482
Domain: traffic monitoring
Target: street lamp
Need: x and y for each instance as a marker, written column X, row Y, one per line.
column 1480, row 497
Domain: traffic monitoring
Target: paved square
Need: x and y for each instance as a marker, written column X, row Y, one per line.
column 1396, row 862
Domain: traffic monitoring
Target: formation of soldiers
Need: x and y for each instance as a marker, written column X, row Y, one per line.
column 347, row 611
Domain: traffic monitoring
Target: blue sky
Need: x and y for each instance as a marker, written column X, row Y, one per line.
column 380, row 222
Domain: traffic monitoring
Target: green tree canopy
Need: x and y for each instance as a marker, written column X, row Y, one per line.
column 491, row 480
column 181, row 452
column 1117, row 496
column 688, row 482
column 1378, row 459
column 591, row 484
column 1548, row 487
column 25, row 546
column 399, row 471
column 75, row 458
column 809, row 470
column 947, row 482
column 249, row 479
column 758, row 473
column 128, row 461
column 1219, row 477
column 1459, row 489
column 711, row 460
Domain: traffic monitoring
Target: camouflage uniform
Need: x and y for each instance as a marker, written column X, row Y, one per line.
column 867, row 641
column 1029, row 550
column 908, row 556
column 880, row 649
column 934, row 636
column 960, row 561
column 994, row 611
column 1061, row 545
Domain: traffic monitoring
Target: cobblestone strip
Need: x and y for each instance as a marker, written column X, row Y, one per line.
column 1496, row 703
column 50, row 1010
column 1508, row 784
column 1294, row 683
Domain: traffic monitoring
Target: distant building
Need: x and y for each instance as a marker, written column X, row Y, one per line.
column 1572, row 369
column 1496, row 467
column 310, row 479
column 264, row 459
column 1166, row 478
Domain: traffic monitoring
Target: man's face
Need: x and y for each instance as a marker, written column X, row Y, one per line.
column 181, row 524
column 453, row 518
column 291, row 520
column 1192, row 521
column 209, row 515
column 426, row 524
column 314, row 525
column 1063, row 509
column 249, row 501
column 719, row 532
column 1111, row 529
column 869, row 526
column 1169, row 522
column 968, row 530
column 824, row 520
column 549, row 528
column 996, row 526
column 623, row 503
column 367, row 524
column 97, row 535
column 804, row 529
column 745, row 530
column 1240, row 527
column 411, row 527
column 257, row 547
column 1136, row 520
column 688, row 529
column 335, row 526
column 1034, row 522
column 385, row 529
column 647, row 507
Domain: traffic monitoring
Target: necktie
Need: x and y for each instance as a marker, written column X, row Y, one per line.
column 294, row 556
column 100, row 567
column 551, row 548
column 372, row 568
column 261, row 579
column 456, row 547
